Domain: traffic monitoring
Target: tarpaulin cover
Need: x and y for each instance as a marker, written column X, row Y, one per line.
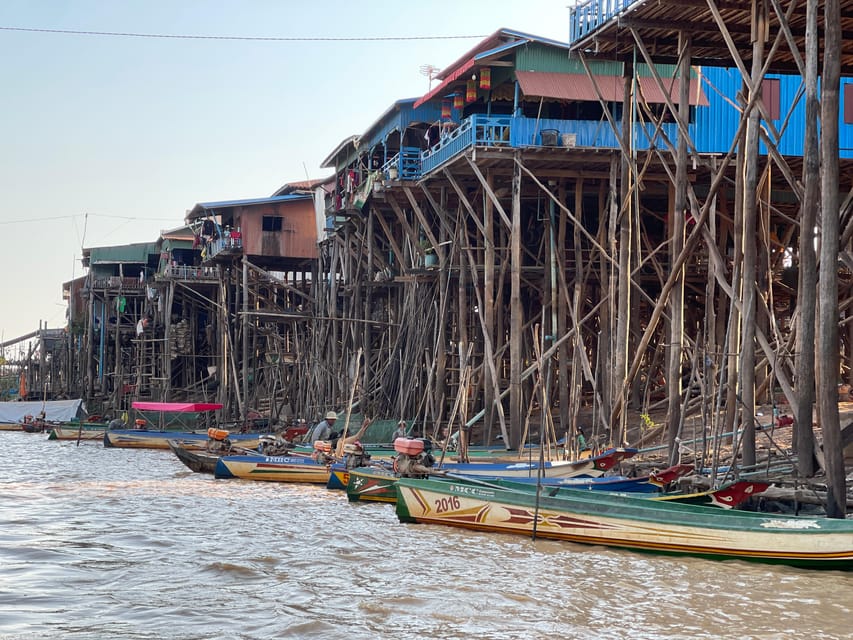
column 178, row 407
column 54, row 410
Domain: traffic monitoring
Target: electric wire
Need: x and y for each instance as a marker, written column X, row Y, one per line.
column 176, row 36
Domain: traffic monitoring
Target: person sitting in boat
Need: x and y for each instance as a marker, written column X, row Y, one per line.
column 400, row 432
column 339, row 444
column 116, row 423
column 324, row 429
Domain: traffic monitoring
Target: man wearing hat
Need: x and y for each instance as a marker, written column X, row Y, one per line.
column 400, row 432
column 324, row 428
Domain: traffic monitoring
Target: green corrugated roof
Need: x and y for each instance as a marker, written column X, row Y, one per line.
column 125, row 254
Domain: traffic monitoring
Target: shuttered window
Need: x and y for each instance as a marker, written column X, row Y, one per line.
column 770, row 97
column 271, row 223
column 848, row 103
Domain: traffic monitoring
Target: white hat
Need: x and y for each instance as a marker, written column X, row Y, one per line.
column 331, row 415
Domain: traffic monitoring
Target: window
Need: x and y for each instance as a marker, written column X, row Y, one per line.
column 848, row 103
column 271, row 223
column 770, row 97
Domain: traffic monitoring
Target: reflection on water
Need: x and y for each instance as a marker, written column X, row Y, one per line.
column 112, row 543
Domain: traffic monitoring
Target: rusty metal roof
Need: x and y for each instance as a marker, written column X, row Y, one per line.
column 579, row 86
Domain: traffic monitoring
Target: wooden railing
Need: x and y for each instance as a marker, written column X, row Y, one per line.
column 184, row 272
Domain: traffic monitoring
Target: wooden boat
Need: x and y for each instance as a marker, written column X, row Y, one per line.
column 379, row 485
column 629, row 522
column 289, row 468
column 372, row 484
column 591, row 467
column 143, row 438
column 10, row 426
column 198, row 461
column 194, row 441
column 338, row 476
column 81, row 431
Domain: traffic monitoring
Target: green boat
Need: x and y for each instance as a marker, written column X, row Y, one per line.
column 602, row 518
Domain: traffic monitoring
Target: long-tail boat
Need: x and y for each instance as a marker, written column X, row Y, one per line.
column 286, row 468
column 144, row 438
column 615, row 520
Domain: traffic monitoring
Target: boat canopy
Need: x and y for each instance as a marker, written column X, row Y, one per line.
column 177, row 407
column 54, row 410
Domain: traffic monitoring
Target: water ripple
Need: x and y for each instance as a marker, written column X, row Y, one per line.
column 110, row 543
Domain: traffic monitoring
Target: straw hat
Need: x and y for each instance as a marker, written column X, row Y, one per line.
column 331, row 415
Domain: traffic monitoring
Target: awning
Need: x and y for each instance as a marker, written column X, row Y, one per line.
column 580, row 87
column 177, row 407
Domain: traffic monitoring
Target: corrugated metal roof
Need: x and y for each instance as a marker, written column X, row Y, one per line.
column 568, row 86
column 579, row 86
column 653, row 94
column 331, row 159
column 123, row 254
column 202, row 207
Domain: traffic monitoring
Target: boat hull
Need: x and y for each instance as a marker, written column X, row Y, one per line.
column 590, row 467
column 372, row 485
column 142, row 439
column 632, row 523
column 197, row 461
column 338, row 477
column 272, row 469
column 86, row 432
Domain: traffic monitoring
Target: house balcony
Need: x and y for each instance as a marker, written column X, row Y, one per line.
column 520, row 131
column 111, row 283
column 184, row 272
column 227, row 246
column 589, row 15
column 405, row 165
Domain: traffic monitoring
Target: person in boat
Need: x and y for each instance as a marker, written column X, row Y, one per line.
column 400, row 431
column 116, row 423
column 339, row 444
column 324, row 429
column 582, row 444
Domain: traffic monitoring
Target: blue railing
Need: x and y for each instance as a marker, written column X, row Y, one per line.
column 521, row 131
column 586, row 17
column 405, row 165
column 448, row 146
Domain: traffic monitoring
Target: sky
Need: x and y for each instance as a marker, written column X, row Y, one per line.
column 108, row 140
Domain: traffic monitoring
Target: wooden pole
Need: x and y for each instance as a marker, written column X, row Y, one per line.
column 516, row 320
column 807, row 272
column 828, row 345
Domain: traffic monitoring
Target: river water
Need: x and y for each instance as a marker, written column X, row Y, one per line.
column 119, row 543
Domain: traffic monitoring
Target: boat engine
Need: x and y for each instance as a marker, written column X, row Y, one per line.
column 355, row 456
column 323, row 452
column 414, row 457
column 218, row 441
column 274, row 445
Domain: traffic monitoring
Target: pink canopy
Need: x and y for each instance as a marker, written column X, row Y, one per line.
column 182, row 407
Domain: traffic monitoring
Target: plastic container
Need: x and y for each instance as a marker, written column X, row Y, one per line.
column 325, row 447
column 550, row 137
column 217, row 434
column 409, row 446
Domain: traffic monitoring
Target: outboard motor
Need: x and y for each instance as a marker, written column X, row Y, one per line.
column 274, row 445
column 355, row 456
column 414, row 457
column 218, row 441
column 323, row 452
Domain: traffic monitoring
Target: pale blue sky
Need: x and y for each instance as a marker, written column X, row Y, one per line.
column 135, row 131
